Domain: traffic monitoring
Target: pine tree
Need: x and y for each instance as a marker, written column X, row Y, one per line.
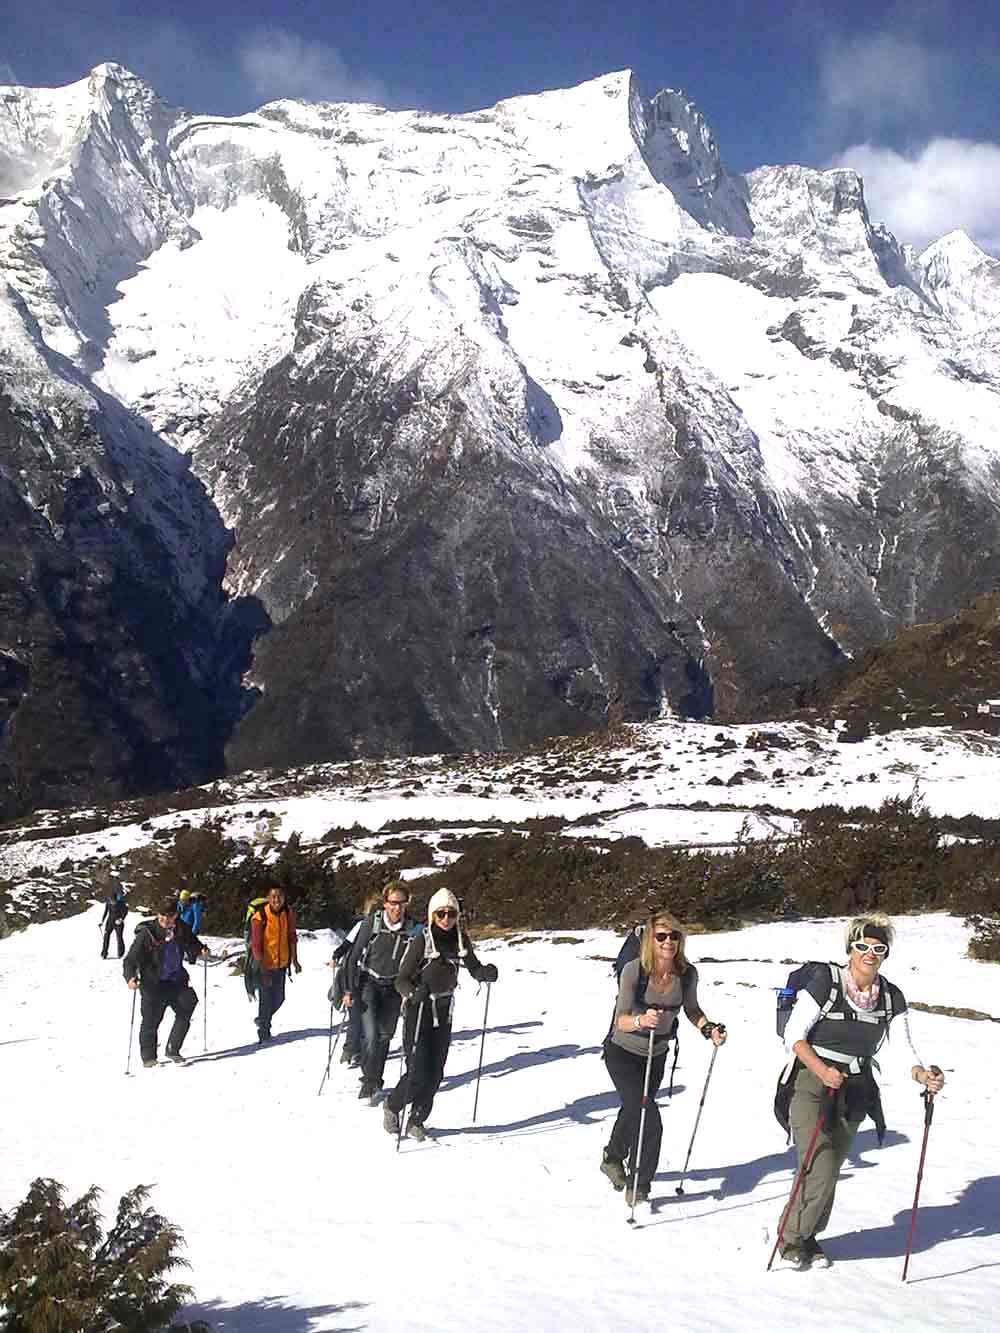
column 59, row 1274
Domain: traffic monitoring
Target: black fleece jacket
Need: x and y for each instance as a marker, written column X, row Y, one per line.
column 143, row 957
column 439, row 974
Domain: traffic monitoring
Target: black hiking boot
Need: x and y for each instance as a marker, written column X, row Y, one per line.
column 818, row 1258
column 364, row 1093
column 614, row 1170
column 641, row 1194
column 149, row 1064
column 390, row 1120
column 346, row 1056
column 795, row 1255
column 415, row 1130
column 176, row 1056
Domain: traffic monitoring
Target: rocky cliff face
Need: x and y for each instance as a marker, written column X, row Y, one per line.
column 506, row 422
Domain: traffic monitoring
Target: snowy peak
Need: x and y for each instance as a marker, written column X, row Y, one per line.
column 681, row 153
column 964, row 278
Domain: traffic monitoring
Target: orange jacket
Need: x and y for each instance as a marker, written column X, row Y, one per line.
column 273, row 939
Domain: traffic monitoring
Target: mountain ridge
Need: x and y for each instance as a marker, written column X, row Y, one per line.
column 489, row 425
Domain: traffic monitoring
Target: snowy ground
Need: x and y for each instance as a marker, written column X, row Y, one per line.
column 300, row 1217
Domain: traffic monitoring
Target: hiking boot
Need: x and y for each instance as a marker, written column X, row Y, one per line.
column 364, row 1093
column 641, row 1194
column 176, row 1056
column 415, row 1130
column 818, row 1257
column 263, row 1038
column 355, row 1061
column 347, row 1056
column 794, row 1255
column 390, row 1120
column 614, row 1170
column 149, row 1064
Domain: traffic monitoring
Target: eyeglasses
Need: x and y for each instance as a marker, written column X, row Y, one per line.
column 395, row 902
column 862, row 946
column 673, row 935
column 445, row 912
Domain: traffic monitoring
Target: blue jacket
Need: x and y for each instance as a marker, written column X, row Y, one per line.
column 191, row 913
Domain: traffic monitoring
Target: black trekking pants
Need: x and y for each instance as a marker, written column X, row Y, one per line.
column 379, row 1016
column 118, row 927
column 628, row 1073
column 154, row 1000
column 426, row 1053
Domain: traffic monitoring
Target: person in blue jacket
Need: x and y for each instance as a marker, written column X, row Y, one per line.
column 190, row 909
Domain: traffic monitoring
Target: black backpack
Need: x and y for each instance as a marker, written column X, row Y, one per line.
column 785, row 997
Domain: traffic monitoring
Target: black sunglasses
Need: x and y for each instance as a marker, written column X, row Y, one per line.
column 662, row 935
column 445, row 911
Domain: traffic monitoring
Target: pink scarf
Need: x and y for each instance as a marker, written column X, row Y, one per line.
column 861, row 999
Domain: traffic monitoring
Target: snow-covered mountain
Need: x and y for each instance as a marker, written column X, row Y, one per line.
column 505, row 421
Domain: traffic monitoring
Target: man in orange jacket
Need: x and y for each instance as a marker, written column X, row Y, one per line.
column 274, row 945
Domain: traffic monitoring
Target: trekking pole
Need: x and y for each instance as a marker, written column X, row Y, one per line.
column 642, row 1126
column 204, row 1002
column 128, row 1062
column 802, row 1171
column 482, row 1043
column 413, row 1048
column 928, row 1117
column 697, row 1119
column 331, row 1047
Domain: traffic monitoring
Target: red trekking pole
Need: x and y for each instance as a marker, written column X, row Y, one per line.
column 802, row 1171
column 928, row 1117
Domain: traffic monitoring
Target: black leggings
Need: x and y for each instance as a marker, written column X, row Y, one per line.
column 426, row 1054
column 628, row 1073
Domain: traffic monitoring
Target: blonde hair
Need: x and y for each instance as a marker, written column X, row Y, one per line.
column 856, row 929
column 667, row 919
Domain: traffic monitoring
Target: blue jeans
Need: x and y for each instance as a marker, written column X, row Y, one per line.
column 270, row 997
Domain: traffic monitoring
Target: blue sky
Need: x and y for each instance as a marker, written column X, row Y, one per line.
column 907, row 92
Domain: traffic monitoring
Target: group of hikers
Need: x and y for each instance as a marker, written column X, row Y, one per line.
column 834, row 1017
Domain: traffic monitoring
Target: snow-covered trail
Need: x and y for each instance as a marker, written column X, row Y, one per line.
column 299, row 1216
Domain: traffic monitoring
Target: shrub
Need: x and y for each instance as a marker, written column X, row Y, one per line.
column 985, row 942
column 229, row 872
column 58, row 1274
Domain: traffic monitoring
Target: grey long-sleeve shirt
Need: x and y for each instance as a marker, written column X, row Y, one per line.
column 682, row 994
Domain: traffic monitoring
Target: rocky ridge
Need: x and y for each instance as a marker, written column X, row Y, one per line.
column 507, row 422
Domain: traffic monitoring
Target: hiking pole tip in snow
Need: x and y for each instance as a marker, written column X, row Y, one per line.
column 642, row 1127
column 697, row 1120
column 928, row 1097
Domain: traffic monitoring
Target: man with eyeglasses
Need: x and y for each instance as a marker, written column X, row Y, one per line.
column 427, row 979
column 371, row 971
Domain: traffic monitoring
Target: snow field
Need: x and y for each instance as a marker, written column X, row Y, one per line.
column 299, row 1214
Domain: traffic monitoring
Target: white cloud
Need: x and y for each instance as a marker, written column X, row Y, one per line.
column 278, row 64
column 880, row 78
column 946, row 184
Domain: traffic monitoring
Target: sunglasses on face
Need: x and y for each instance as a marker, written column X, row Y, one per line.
column 445, row 912
column 662, row 935
column 862, row 946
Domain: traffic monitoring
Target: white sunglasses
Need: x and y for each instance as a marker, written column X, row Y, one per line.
column 862, row 946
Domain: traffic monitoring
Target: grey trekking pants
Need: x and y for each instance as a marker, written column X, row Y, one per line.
column 811, row 1210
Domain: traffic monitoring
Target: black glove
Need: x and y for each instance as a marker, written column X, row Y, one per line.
column 488, row 972
column 709, row 1028
column 419, row 994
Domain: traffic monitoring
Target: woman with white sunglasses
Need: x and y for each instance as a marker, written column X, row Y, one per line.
column 840, row 1019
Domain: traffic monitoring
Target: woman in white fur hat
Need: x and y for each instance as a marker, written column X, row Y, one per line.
column 428, row 975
